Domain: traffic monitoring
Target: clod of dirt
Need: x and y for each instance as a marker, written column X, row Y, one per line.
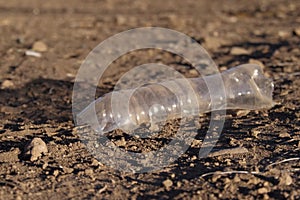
column 39, row 46
column 236, row 150
column 7, row 84
column 236, row 51
column 35, row 149
column 213, row 42
column 167, row 184
column 10, row 156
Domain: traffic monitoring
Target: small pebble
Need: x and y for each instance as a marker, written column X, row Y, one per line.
column 68, row 170
column 194, row 72
column 262, row 190
column 121, row 20
column 95, row 163
column 241, row 113
column 236, row 179
column 39, row 46
column 232, row 19
column 196, row 143
column 283, row 34
column 121, row 142
column 255, row 133
column 257, row 62
column 213, row 42
column 266, row 197
column 179, row 184
column 297, row 31
column 45, row 165
column 285, row 179
column 89, row 172
column 7, row 84
column 35, row 149
column 33, row 53
column 236, row 51
column 284, row 135
column 167, row 184
column 55, row 173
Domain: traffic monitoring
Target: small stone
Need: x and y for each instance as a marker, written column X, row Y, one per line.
column 281, row 15
column 194, row 72
column 241, row 113
column 196, row 143
column 223, row 68
column 262, row 190
column 213, row 42
column 39, row 46
column 233, row 142
column 266, row 184
column 35, row 149
column 285, row 179
column 167, row 184
column 120, row 20
column 33, row 53
column 45, row 165
column 7, row 84
column 194, row 158
column 55, row 173
column 257, row 62
column 227, row 181
column 233, row 19
column 179, row 184
column 215, row 178
column 68, row 170
column 9, row 109
column 236, row 51
column 5, row 22
column 255, row 133
column 95, row 162
column 266, row 197
column 236, row 179
column 121, row 142
column 253, row 180
column 284, row 135
column 89, row 172
column 297, row 31
column 257, row 32
column 283, row 34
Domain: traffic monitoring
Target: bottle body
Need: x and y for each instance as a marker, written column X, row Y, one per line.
column 242, row 87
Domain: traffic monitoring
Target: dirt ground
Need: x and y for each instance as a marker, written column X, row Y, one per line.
column 35, row 99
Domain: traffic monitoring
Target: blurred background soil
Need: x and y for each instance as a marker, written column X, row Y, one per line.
column 36, row 90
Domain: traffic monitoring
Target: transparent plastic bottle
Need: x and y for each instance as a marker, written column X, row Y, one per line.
column 245, row 87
